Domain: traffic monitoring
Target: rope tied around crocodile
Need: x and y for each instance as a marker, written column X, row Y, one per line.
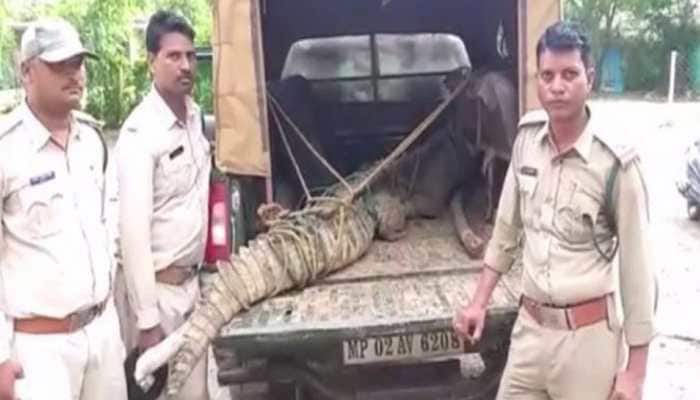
column 299, row 247
column 331, row 231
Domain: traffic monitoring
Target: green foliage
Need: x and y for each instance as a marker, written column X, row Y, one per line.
column 600, row 18
column 645, row 66
column 203, row 91
column 120, row 77
column 7, row 70
column 646, row 31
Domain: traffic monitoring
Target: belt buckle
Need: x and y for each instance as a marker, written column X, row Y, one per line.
column 183, row 275
column 546, row 316
column 570, row 320
column 74, row 321
column 532, row 308
column 555, row 318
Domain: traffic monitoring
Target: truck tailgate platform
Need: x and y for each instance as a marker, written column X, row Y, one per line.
column 420, row 278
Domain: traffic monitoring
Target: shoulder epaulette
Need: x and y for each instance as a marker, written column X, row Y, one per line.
column 9, row 122
column 625, row 153
column 89, row 120
column 97, row 126
column 132, row 122
column 534, row 117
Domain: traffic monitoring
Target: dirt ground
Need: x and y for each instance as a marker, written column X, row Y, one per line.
column 662, row 132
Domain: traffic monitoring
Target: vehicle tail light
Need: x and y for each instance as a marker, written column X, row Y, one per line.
column 219, row 233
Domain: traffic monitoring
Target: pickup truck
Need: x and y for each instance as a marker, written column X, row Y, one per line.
column 357, row 77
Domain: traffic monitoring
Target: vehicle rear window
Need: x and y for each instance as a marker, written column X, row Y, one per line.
column 420, row 53
column 330, row 58
column 409, row 66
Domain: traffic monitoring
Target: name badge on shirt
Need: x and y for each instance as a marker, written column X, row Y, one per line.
column 528, row 171
column 176, row 152
column 39, row 179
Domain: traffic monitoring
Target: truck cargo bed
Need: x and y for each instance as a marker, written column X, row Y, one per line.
column 419, row 279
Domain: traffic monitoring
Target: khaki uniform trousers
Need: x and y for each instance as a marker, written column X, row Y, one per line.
column 87, row 364
column 546, row 364
column 175, row 303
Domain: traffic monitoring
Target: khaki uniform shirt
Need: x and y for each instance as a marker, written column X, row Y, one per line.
column 547, row 202
column 163, row 168
column 54, row 258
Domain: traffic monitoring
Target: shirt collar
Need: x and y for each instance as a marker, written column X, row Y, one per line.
column 39, row 135
column 583, row 144
column 166, row 116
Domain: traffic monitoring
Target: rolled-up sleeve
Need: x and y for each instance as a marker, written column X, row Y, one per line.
column 502, row 249
column 637, row 256
column 135, row 168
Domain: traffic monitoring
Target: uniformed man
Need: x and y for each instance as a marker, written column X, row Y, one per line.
column 570, row 194
column 58, row 326
column 163, row 167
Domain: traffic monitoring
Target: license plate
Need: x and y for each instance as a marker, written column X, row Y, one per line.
column 402, row 346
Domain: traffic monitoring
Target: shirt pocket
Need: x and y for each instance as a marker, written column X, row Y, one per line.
column 177, row 170
column 527, row 186
column 576, row 215
column 44, row 206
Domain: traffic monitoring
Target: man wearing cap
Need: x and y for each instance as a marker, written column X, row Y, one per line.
column 163, row 166
column 572, row 194
column 58, row 326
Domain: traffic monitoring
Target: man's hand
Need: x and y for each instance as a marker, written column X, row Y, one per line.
column 628, row 386
column 150, row 337
column 10, row 371
column 469, row 320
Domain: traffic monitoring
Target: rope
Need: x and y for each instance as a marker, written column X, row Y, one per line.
column 316, row 239
column 408, row 141
column 414, row 178
column 393, row 156
column 302, row 234
column 308, row 144
column 295, row 164
column 297, row 249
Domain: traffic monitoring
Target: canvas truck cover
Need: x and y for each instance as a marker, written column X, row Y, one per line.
column 240, row 107
column 239, row 89
column 534, row 16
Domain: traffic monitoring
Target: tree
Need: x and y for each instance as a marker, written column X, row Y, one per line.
column 647, row 30
column 602, row 19
column 116, row 82
column 7, row 46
